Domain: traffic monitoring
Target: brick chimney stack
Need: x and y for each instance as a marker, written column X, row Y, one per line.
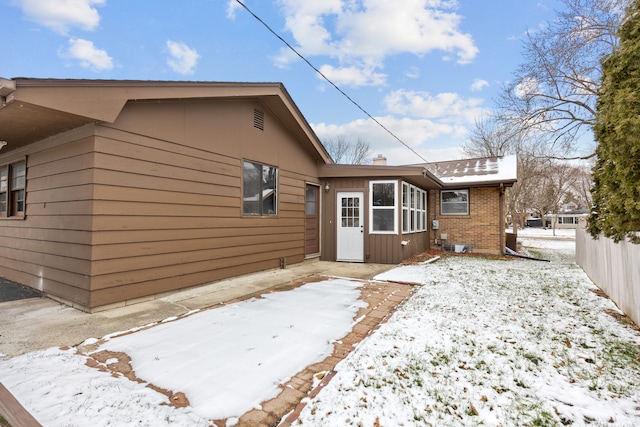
column 380, row 160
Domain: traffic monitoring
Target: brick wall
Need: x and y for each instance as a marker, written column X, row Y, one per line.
column 482, row 227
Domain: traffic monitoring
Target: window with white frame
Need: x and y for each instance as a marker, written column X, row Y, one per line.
column 414, row 208
column 383, row 207
column 454, row 202
column 260, row 189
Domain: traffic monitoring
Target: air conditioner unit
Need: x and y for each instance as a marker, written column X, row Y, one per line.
column 457, row 247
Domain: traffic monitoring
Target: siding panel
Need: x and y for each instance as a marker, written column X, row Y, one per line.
column 50, row 249
column 168, row 211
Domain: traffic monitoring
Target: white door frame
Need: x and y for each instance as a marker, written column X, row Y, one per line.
column 350, row 226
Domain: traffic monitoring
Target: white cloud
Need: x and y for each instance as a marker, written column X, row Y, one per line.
column 413, row 72
column 182, row 59
column 363, row 33
column 432, row 140
column 62, row 15
column 448, row 107
column 352, row 76
column 89, row 56
column 479, row 84
column 432, row 125
column 526, row 87
column 232, row 6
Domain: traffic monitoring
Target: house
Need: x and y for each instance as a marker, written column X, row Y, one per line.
column 117, row 191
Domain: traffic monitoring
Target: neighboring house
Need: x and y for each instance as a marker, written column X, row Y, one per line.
column 116, row 191
column 568, row 219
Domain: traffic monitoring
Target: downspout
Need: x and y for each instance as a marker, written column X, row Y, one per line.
column 501, row 222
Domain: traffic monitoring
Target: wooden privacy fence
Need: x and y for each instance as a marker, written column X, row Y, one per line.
column 614, row 268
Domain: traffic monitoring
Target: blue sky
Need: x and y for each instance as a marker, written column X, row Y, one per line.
column 425, row 69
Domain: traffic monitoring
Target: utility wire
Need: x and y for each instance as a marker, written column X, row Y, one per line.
column 328, row 80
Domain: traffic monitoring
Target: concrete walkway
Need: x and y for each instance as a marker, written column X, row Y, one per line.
column 37, row 323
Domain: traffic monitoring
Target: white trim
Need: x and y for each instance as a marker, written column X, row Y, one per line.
column 417, row 212
column 396, row 202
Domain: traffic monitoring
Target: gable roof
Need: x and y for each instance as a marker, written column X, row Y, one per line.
column 486, row 171
column 34, row 109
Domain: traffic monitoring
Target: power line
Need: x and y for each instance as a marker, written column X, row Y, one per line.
column 328, row 80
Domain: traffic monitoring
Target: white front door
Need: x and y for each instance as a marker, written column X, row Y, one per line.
column 350, row 238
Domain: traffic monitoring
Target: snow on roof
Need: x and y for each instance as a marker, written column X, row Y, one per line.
column 476, row 171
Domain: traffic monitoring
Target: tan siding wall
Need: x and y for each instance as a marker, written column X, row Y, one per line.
column 50, row 249
column 481, row 228
column 168, row 211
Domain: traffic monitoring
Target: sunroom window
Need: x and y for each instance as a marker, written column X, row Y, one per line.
column 384, row 210
column 414, row 208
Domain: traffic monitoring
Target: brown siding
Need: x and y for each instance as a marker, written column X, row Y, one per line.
column 481, row 228
column 167, row 207
column 378, row 248
column 152, row 203
column 50, row 249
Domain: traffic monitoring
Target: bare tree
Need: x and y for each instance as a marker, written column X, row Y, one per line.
column 346, row 152
column 555, row 88
column 551, row 188
column 494, row 136
column 581, row 183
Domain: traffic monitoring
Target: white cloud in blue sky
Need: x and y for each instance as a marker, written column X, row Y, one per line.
column 479, row 84
column 182, row 59
column 421, row 67
column 88, row 55
column 63, row 15
column 364, row 34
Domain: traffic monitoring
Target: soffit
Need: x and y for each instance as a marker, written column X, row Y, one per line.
column 416, row 175
column 39, row 108
column 22, row 123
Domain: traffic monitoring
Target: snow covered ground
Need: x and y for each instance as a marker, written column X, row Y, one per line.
column 482, row 342
column 558, row 233
column 491, row 342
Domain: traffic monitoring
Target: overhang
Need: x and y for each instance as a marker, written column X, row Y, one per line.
column 34, row 109
column 417, row 175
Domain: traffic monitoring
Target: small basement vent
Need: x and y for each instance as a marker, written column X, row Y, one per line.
column 258, row 119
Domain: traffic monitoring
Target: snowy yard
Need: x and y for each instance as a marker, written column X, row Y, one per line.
column 486, row 342
column 482, row 342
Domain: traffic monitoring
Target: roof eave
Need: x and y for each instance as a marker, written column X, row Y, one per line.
column 415, row 174
column 496, row 183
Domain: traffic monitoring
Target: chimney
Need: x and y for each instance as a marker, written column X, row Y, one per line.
column 380, row 160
